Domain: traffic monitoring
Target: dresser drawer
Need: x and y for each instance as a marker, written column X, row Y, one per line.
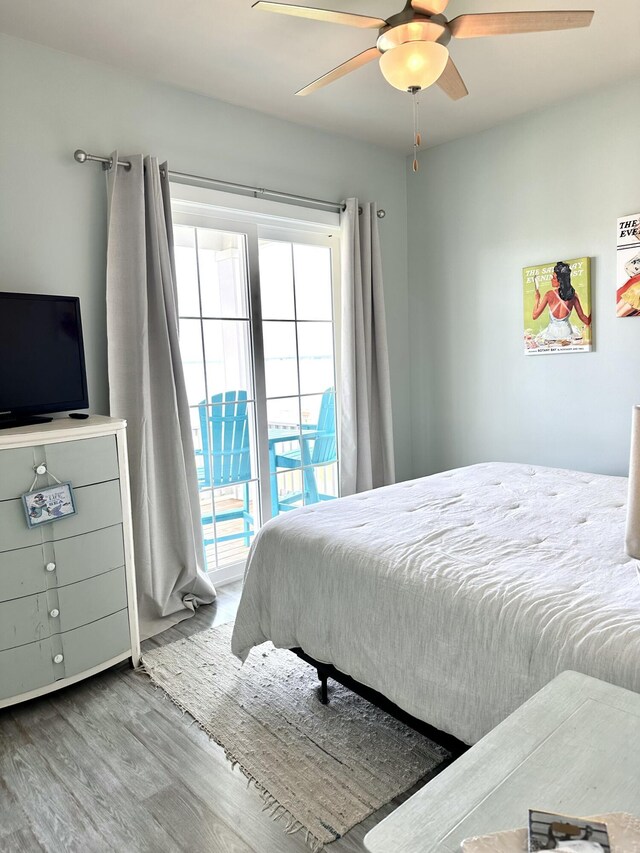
column 35, row 617
column 29, row 667
column 24, row 620
column 81, row 463
column 24, row 572
column 93, row 644
column 82, row 557
column 97, row 507
column 26, row 668
column 88, row 601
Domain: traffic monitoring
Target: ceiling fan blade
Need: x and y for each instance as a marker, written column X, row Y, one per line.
column 326, row 15
column 451, row 82
column 429, row 7
column 506, row 23
column 335, row 74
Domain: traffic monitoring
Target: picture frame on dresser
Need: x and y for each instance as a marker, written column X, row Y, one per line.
column 44, row 506
column 67, row 590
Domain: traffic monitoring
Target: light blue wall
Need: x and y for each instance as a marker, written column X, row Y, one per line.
column 545, row 187
column 52, row 211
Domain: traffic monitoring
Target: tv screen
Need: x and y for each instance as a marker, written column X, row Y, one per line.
column 41, row 354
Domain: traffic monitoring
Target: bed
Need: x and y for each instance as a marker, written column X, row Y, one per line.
column 456, row 596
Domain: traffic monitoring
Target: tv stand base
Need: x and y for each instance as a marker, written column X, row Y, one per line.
column 9, row 420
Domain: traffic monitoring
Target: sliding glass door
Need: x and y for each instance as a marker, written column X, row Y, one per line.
column 257, row 341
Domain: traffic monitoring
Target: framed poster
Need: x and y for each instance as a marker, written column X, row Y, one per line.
column 557, row 307
column 628, row 267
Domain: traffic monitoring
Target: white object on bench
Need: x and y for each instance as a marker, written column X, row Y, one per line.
column 623, row 829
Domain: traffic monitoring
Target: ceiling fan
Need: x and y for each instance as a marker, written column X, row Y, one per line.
column 412, row 44
column 422, row 21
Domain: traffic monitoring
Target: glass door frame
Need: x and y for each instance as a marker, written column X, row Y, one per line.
column 194, row 215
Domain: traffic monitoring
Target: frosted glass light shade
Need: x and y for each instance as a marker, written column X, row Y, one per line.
column 414, row 64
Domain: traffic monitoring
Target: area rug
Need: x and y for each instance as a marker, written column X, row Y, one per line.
column 320, row 768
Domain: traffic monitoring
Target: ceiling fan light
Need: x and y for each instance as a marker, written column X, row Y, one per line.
column 415, row 64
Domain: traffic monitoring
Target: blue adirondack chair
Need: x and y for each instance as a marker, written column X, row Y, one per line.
column 225, row 455
column 323, row 439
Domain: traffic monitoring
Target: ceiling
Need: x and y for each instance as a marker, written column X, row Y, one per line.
column 224, row 49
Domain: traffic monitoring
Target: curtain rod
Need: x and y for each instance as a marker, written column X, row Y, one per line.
column 107, row 162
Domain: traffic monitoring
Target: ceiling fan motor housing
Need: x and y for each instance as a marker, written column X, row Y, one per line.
column 409, row 26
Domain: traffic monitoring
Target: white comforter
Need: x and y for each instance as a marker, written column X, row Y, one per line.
column 457, row 596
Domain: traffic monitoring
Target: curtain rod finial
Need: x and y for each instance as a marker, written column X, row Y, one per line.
column 80, row 156
column 381, row 213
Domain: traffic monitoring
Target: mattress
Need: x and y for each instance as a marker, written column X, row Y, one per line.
column 457, row 596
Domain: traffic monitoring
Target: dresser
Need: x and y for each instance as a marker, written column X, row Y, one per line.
column 67, row 587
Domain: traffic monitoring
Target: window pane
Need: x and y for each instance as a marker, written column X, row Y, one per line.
column 237, row 519
column 276, row 280
column 186, row 271
column 227, row 354
column 319, row 421
column 191, row 352
column 321, row 483
column 310, row 409
column 280, row 365
column 221, row 258
column 315, row 348
column 312, row 266
column 227, row 439
column 283, row 416
column 286, row 491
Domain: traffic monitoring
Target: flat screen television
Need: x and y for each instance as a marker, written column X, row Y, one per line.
column 42, row 366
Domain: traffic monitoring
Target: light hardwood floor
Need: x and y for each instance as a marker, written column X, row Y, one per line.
column 112, row 764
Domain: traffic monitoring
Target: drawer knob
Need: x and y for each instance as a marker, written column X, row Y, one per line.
column 54, row 613
column 58, row 659
column 41, row 469
column 50, row 567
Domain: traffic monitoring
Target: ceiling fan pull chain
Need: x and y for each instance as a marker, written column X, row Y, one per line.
column 417, row 138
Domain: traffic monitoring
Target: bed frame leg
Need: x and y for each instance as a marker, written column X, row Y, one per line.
column 324, row 698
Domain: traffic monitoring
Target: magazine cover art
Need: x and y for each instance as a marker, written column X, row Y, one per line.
column 628, row 267
column 557, row 307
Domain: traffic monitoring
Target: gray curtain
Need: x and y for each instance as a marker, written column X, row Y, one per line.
column 366, row 435
column 146, row 386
